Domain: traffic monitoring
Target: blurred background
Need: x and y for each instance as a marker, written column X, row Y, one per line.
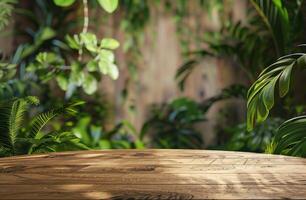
column 184, row 69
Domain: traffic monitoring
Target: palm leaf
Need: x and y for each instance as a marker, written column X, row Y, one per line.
column 290, row 138
column 275, row 16
column 184, row 71
column 261, row 95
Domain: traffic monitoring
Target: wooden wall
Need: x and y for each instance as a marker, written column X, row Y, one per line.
column 161, row 57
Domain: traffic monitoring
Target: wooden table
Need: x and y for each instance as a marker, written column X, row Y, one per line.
column 152, row 174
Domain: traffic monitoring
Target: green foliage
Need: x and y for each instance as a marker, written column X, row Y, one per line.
column 290, row 138
column 252, row 141
column 49, row 65
column 261, row 95
column 7, row 7
column 9, row 86
column 275, row 16
column 103, row 57
column 50, row 57
column 17, row 138
column 122, row 136
column 64, row 3
column 172, row 125
column 245, row 43
column 7, row 71
column 109, row 5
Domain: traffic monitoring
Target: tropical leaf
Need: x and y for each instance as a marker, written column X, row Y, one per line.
column 184, row 71
column 290, row 138
column 261, row 95
column 275, row 16
column 245, row 43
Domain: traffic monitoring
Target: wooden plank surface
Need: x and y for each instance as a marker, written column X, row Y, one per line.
column 153, row 174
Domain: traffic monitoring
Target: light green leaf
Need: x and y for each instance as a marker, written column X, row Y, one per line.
column 77, row 77
column 90, row 84
column 63, row 3
column 105, row 144
column 103, row 66
column 107, row 55
column 109, row 43
column 108, row 69
column 62, row 82
column 46, row 34
column 92, row 66
column 45, row 57
column 113, row 71
column 90, row 41
column 109, row 5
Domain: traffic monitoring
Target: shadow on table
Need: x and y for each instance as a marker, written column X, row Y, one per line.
column 139, row 175
column 163, row 178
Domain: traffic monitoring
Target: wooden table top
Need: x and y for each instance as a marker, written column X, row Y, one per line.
column 152, row 174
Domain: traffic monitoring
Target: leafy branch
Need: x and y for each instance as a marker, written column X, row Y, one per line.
column 261, row 95
column 290, row 138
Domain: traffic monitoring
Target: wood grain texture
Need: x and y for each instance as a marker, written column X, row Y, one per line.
column 153, row 174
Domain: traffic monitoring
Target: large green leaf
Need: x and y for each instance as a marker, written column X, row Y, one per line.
column 262, row 93
column 109, row 5
column 275, row 16
column 63, row 3
column 290, row 138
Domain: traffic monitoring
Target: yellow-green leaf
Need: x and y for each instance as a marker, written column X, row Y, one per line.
column 63, row 3
column 109, row 43
column 109, row 5
column 90, row 84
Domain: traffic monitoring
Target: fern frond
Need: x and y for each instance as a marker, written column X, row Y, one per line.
column 39, row 122
column 11, row 120
column 55, row 141
column 5, row 12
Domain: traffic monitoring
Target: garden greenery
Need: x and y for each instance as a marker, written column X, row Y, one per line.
column 60, row 50
column 17, row 138
column 290, row 138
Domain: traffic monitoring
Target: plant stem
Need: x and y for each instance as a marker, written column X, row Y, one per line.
column 85, row 25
